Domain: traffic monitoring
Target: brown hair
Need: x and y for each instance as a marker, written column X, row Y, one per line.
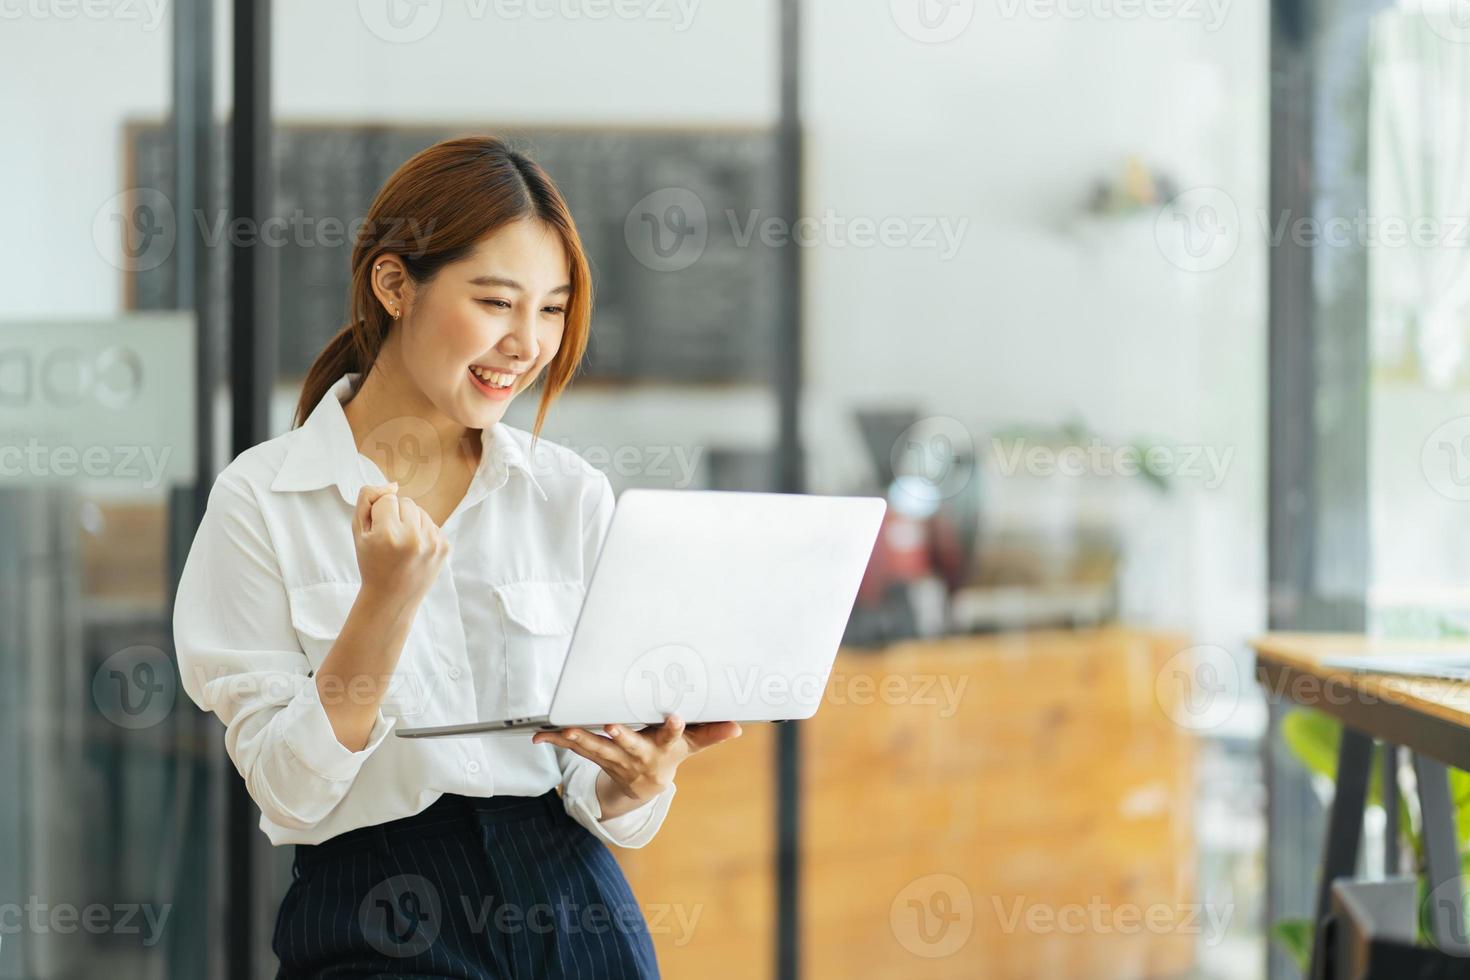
column 432, row 211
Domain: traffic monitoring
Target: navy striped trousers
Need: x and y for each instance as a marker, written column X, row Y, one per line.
column 508, row 886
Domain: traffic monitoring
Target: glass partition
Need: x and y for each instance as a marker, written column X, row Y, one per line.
column 107, row 817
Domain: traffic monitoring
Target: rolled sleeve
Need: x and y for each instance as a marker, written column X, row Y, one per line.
column 307, row 732
column 632, row 829
column 239, row 657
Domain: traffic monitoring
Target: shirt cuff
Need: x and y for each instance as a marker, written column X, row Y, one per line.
column 632, row 829
column 307, row 733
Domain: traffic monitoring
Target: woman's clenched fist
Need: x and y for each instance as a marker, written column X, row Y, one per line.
column 399, row 547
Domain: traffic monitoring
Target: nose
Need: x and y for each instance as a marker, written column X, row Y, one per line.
column 519, row 344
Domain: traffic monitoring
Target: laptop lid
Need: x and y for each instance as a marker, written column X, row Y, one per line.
column 716, row 605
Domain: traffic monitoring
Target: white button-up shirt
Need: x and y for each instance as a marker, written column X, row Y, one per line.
column 270, row 579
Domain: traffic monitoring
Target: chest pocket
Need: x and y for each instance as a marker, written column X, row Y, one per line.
column 318, row 613
column 539, row 618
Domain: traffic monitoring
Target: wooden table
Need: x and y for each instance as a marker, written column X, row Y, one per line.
column 1431, row 718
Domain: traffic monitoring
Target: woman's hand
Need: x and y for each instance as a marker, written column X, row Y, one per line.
column 399, row 553
column 399, row 547
column 637, row 766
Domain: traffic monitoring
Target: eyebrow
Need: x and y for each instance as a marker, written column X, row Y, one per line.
column 564, row 289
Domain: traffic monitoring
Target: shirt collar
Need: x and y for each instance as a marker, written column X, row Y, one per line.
column 323, row 453
column 501, row 449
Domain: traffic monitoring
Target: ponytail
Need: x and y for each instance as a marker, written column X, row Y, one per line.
column 345, row 353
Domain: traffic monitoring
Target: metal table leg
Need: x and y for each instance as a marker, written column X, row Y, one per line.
column 1441, row 855
column 1390, row 810
column 1344, row 833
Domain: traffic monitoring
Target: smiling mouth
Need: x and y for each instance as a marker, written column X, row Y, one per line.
column 498, row 380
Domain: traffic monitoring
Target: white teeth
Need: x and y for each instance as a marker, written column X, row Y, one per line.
column 496, row 379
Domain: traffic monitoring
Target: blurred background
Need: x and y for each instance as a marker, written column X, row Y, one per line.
column 1148, row 317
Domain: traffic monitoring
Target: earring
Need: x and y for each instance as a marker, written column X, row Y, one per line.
column 378, row 266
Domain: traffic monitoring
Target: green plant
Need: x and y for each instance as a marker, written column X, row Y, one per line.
column 1312, row 738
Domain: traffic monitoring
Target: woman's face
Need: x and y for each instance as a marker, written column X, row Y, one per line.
column 482, row 330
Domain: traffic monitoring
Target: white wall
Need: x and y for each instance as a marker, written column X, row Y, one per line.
column 1419, row 495
column 1037, row 318
column 1042, row 317
column 69, row 84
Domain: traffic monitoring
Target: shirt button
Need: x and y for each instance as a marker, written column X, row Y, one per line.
column 454, row 673
column 473, row 768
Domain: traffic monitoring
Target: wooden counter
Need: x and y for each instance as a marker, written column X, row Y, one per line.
column 950, row 786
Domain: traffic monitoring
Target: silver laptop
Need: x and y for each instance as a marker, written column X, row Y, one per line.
column 715, row 605
column 1428, row 665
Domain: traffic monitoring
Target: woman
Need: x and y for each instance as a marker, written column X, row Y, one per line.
column 403, row 555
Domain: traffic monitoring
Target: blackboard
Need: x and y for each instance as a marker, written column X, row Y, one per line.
column 711, row 319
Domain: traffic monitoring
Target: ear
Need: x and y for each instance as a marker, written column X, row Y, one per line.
column 391, row 284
